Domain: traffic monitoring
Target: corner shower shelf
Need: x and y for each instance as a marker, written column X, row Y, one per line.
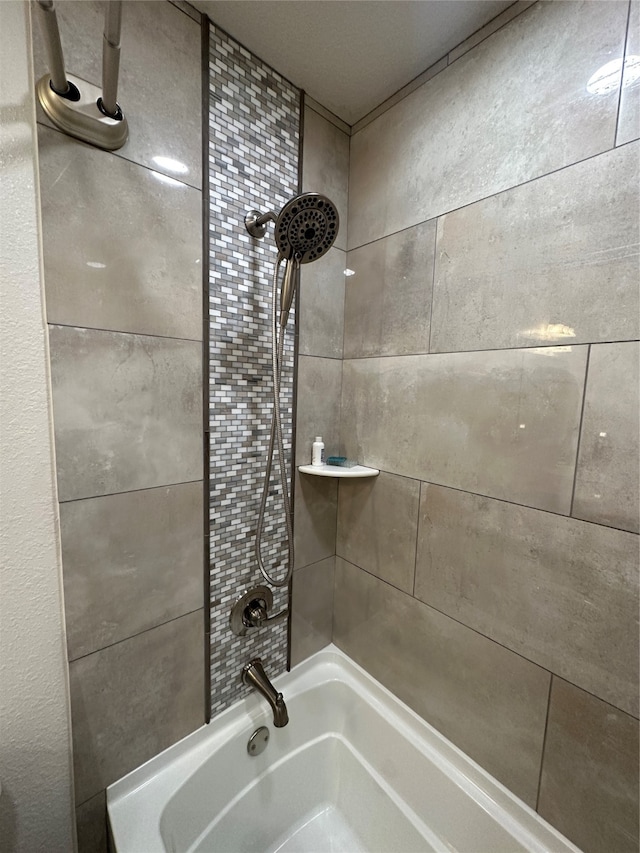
column 337, row 471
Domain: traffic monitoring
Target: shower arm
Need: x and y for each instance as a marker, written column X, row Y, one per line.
column 256, row 222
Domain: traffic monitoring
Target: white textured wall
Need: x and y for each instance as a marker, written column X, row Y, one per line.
column 35, row 749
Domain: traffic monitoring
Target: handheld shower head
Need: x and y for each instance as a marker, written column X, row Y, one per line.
column 306, row 227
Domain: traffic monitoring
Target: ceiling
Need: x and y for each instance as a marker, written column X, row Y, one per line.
column 350, row 55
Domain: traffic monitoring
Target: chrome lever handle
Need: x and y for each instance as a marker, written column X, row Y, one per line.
column 255, row 615
column 251, row 611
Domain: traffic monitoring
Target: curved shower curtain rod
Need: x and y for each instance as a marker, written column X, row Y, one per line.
column 73, row 105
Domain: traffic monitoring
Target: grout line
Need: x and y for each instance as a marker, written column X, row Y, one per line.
column 137, row 634
column 580, row 426
column 121, row 332
column 102, row 791
column 117, row 152
column 206, row 377
column 544, row 741
column 415, row 555
column 327, row 114
column 498, row 192
column 312, row 355
column 534, row 346
column 333, row 596
column 129, row 491
column 294, row 399
column 424, row 77
column 433, row 283
column 401, row 94
column 624, row 54
column 520, row 655
column 509, row 14
column 196, row 20
column 346, row 243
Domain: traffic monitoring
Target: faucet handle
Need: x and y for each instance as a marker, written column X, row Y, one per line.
column 251, row 611
column 255, row 615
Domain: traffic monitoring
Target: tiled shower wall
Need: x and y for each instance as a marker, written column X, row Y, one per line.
column 122, row 242
column 489, row 575
column 254, row 118
column 325, row 169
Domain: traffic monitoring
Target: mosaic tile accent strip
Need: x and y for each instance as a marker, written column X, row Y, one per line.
column 254, row 120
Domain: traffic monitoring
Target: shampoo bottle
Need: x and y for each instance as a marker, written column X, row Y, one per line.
column 317, row 452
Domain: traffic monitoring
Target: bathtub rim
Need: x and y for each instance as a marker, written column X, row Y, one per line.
column 330, row 664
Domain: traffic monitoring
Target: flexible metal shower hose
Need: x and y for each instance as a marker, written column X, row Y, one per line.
column 277, row 351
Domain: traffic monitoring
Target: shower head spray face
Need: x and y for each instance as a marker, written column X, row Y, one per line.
column 306, row 227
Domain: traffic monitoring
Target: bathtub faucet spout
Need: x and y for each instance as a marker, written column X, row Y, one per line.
column 254, row 675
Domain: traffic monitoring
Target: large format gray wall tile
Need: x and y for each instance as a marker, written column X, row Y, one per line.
column 377, row 524
column 91, row 825
column 132, row 700
column 325, row 165
column 589, row 783
column 316, row 500
column 127, row 411
column 489, row 701
column 561, row 592
column 311, row 609
column 160, row 45
column 388, row 300
column 629, row 120
column 133, row 262
column 552, row 262
column 321, row 305
column 607, row 481
column 493, row 119
column 501, row 423
column 318, row 405
column 123, row 550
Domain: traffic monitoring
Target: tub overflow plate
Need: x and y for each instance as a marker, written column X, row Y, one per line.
column 258, row 741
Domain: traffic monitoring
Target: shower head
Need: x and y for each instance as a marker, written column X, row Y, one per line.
column 306, row 227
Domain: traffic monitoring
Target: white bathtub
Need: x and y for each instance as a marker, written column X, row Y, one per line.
column 355, row 770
